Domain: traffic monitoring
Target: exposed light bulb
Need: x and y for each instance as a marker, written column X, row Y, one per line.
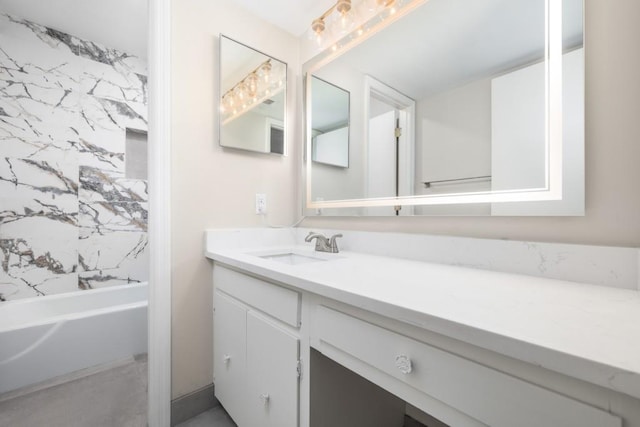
column 317, row 31
column 252, row 81
column 345, row 17
column 266, row 71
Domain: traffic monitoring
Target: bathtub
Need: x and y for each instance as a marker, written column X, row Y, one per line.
column 44, row 337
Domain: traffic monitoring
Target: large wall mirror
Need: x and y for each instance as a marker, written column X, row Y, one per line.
column 253, row 93
column 461, row 107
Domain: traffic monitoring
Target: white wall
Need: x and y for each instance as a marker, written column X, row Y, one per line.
column 612, row 151
column 454, row 128
column 214, row 187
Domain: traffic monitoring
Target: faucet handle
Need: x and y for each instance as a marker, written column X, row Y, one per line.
column 333, row 243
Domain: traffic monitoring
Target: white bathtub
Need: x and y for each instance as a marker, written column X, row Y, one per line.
column 44, row 337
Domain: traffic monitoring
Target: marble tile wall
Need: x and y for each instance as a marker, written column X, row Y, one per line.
column 69, row 217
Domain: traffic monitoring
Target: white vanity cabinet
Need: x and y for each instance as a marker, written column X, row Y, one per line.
column 273, row 321
column 256, row 349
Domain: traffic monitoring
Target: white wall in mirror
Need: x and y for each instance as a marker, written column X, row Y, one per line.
column 447, row 56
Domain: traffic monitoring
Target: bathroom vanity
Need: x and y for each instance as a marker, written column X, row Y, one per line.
column 470, row 347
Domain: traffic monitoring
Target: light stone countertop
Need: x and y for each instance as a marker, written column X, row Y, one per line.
column 584, row 331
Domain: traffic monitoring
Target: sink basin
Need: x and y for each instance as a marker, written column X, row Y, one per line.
column 291, row 258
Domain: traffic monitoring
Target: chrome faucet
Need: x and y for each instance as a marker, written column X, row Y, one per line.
column 322, row 243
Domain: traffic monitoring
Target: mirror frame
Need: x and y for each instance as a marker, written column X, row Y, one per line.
column 218, row 113
column 553, row 131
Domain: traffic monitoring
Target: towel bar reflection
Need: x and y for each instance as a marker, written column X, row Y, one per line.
column 427, row 184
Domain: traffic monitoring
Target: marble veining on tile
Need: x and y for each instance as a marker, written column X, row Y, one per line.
column 69, row 217
column 97, row 185
column 26, row 178
column 15, row 210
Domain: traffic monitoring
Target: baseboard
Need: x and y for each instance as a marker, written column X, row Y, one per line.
column 192, row 404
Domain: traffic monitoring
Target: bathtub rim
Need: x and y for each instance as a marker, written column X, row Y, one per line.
column 78, row 313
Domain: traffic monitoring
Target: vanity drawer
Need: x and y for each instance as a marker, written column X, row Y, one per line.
column 276, row 301
column 489, row 396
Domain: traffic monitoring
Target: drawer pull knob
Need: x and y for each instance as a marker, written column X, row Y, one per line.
column 226, row 359
column 265, row 399
column 403, row 363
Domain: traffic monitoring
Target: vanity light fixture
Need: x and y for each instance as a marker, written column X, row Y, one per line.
column 352, row 18
column 252, row 90
column 341, row 24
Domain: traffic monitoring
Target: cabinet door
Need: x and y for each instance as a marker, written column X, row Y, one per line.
column 229, row 355
column 272, row 372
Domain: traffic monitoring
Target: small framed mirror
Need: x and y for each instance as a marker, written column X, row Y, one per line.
column 330, row 124
column 253, row 93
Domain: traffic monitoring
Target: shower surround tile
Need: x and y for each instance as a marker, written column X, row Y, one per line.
column 103, row 150
column 108, row 114
column 11, row 289
column 119, row 256
column 30, row 61
column 101, row 218
column 16, row 212
column 113, row 243
column 38, row 254
column 98, row 185
column 69, row 218
column 38, row 105
column 123, row 81
column 37, row 179
column 37, row 141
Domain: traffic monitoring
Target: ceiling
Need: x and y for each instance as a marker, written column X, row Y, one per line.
column 293, row 16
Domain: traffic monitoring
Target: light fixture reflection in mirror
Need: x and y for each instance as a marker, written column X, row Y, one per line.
column 253, row 99
column 499, row 120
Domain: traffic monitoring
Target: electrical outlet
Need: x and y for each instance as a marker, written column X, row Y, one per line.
column 261, row 204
